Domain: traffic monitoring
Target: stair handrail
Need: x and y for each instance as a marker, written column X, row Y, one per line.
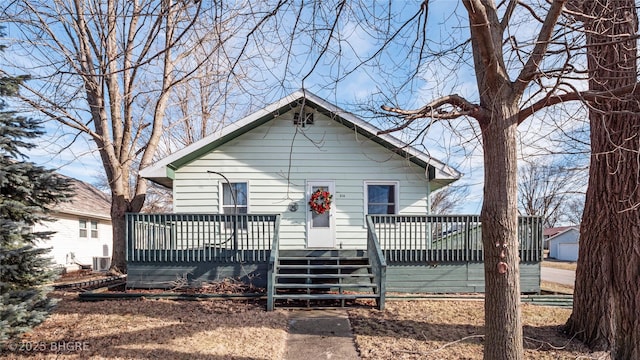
column 273, row 261
column 377, row 260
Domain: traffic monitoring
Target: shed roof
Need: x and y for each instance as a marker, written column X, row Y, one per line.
column 162, row 172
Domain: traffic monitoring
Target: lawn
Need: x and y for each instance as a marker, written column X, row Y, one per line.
column 453, row 330
column 155, row 329
column 555, row 288
column 225, row 329
column 564, row 265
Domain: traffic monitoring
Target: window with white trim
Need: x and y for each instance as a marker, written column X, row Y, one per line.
column 381, row 197
column 234, row 198
column 83, row 228
column 94, row 229
column 88, row 227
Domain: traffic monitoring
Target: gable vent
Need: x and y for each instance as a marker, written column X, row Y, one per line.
column 308, row 119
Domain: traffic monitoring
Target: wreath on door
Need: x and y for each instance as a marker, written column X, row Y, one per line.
column 320, row 201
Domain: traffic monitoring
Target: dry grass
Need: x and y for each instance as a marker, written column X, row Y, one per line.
column 149, row 329
column 224, row 329
column 564, row 265
column 453, row 330
column 556, row 288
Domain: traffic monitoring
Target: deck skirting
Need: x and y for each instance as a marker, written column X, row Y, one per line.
column 407, row 277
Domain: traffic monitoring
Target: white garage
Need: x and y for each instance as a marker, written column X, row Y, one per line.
column 565, row 245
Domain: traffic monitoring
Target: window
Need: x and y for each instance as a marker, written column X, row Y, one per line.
column 94, row 229
column 234, row 198
column 235, row 201
column 84, row 228
column 382, row 198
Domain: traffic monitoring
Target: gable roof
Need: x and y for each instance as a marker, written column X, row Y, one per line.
column 162, row 172
column 564, row 230
column 87, row 201
column 549, row 232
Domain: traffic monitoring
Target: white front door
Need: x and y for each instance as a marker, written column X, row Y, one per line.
column 321, row 227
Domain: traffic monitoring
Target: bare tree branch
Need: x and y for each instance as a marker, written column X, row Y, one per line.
column 459, row 106
column 532, row 66
column 584, row 96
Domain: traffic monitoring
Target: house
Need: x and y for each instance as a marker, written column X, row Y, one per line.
column 563, row 242
column 304, row 196
column 82, row 229
column 550, row 232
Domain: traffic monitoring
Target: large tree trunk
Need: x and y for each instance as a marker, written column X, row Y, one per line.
column 120, row 206
column 499, row 216
column 606, row 311
column 498, row 123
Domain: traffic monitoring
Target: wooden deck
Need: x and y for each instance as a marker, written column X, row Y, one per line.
column 426, row 254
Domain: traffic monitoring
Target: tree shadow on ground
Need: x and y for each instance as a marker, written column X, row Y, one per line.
column 157, row 330
column 390, row 333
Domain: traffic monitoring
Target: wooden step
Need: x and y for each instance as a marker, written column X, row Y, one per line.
column 325, row 276
column 324, row 266
column 325, row 296
column 321, row 258
column 325, row 286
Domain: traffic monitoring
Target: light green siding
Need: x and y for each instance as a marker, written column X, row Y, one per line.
column 278, row 158
column 401, row 278
column 464, row 277
column 159, row 275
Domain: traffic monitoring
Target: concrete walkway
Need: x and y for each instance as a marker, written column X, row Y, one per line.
column 320, row 334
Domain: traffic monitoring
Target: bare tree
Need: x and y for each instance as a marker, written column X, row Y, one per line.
column 519, row 72
column 108, row 69
column 449, row 199
column 498, row 114
column 574, row 210
column 606, row 312
column 548, row 191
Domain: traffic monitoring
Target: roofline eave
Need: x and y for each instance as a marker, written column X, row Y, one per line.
column 161, row 172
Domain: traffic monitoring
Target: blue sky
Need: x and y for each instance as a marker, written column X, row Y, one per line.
column 454, row 143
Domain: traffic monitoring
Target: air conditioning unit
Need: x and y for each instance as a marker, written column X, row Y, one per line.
column 101, row 263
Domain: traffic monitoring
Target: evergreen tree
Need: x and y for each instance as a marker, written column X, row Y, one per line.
column 27, row 194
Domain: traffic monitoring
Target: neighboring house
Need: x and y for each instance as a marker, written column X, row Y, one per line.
column 82, row 229
column 549, row 232
column 563, row 242
column 267, row 168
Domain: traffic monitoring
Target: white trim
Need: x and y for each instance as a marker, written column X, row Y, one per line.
column 88, row 222
column 365, row 210
column 83, row 214
column 331, row 184
column 159, row 169
column 221, row 194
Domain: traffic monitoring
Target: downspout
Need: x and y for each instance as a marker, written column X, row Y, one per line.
column 430, row 176
column 430, row 173
column 429, row 197
column 233, row 194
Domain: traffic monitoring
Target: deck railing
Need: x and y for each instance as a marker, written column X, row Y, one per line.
column 200, row 237
column 452, row 238
column 271, row 272
column 377, row 261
